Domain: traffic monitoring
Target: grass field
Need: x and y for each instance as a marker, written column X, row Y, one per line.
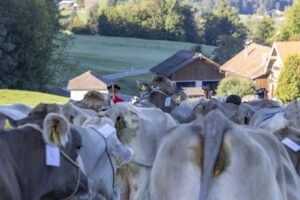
column 106, row 55
column 8, row 97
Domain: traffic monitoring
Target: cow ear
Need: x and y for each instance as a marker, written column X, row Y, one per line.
column 180, row 96
column 143, row 87
column 55, row 129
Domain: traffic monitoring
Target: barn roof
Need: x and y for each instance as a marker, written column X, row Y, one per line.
column 177, row 61
column 250, row 64
column 88, row 81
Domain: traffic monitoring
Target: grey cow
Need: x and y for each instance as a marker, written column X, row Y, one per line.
column 215, row 159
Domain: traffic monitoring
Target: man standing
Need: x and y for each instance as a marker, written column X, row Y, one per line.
column 113, row 89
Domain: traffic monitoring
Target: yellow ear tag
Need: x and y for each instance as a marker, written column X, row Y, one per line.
column 143, row 88
column 178, row 99
column 118, row 161
column 55, row 137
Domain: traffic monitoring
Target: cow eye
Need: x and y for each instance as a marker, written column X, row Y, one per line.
column 79, row 147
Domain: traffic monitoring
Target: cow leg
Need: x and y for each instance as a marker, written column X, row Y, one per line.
column 139, row 185
column 2, row 121
column 122, row 183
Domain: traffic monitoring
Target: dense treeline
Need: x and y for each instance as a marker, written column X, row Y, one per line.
column 155, row 19
column 169, row 20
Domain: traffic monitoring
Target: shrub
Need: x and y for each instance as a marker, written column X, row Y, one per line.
column 288, row 85
column 240, row 87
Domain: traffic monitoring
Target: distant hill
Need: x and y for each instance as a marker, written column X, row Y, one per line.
column 244, row 6
column 248, row 6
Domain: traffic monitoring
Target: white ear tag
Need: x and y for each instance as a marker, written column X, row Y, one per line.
column 52, row 155
column 291, row 144
column 106, row 130
column 168, row 102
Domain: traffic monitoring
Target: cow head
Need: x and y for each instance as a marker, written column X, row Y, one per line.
column 203, row 107
column 56, row 131
column 76, row 115
column 246, row 112
column 38, row 113
column 292, row 113
column 264, row 103
column 164, row 84
column 93, row 100
column 13, row 113
column 118, row 152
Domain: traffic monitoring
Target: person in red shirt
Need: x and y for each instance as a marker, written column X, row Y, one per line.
column 112, row 91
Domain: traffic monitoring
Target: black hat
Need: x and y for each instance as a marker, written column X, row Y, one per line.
column 116, row 87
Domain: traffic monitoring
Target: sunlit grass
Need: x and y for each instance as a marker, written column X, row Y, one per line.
column 29, row 98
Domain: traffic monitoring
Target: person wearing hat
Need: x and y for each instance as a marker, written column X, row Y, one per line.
column 113, row 89
column 207, row 91
column 261, row 93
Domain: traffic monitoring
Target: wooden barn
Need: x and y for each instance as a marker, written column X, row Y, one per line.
column 249, row 64
column 190, row 69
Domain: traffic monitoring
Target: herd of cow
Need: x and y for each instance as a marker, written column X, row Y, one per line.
column 162, row 147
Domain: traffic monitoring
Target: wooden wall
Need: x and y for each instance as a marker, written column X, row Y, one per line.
column 200, row 69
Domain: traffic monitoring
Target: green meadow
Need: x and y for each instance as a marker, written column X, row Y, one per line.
column 29, row 98
column 108, row 55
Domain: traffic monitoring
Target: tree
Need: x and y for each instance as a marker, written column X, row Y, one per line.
column 264, row 31
column 228, row 46
column 262, row 11
column 92, row 22
column 223, row 20
column 229, row 86
column 288, row 85
column 28, row 39
column 153, row 19
column 292, row 25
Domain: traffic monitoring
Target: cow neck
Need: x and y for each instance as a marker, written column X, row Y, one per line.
column 141, row 163
column 108, row 155
column 37, row 128
column 23, row 164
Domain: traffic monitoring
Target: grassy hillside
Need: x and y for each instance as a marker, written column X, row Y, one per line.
column 106, row 55
column 28, row 98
